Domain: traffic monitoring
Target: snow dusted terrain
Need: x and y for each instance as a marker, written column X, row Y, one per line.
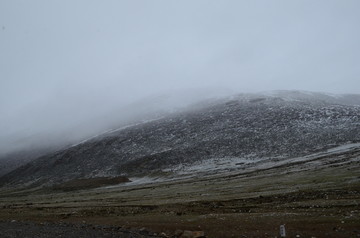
column 244, row 132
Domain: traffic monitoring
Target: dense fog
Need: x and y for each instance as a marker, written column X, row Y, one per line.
column 71, row 69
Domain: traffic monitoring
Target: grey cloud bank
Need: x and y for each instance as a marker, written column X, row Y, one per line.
column 64, row 64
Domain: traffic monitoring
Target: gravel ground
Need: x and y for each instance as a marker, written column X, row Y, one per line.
column 49, row 230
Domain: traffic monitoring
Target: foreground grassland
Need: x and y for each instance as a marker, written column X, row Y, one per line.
column 318, row 198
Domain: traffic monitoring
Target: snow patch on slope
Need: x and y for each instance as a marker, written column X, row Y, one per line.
column 233, row 164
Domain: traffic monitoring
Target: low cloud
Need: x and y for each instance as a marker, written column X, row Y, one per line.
column 70, row 69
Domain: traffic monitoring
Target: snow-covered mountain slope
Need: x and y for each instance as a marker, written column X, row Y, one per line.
column 224, row 133
column 70, row 126
column 345, row 99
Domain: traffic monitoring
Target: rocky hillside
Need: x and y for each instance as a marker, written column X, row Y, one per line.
column 278, row 125
column 11, row 161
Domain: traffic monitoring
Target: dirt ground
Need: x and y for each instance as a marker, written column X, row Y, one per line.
column 326, row 213
column 14, row 229
column 310, row 203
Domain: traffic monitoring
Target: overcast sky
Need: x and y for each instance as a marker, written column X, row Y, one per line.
column 64, row 61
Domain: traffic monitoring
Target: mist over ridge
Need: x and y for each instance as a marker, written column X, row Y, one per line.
column 65, row 124
column 69, row 70
column 62, row 131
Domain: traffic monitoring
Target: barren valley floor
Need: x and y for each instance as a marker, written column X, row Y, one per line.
column 320, row 201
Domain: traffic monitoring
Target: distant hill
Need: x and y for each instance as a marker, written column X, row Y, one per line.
column 278, row 124
column 13, row 160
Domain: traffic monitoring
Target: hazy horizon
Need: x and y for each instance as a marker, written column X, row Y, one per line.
column 65, row 66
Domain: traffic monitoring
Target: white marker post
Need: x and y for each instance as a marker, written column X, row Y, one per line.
column 282, row 231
